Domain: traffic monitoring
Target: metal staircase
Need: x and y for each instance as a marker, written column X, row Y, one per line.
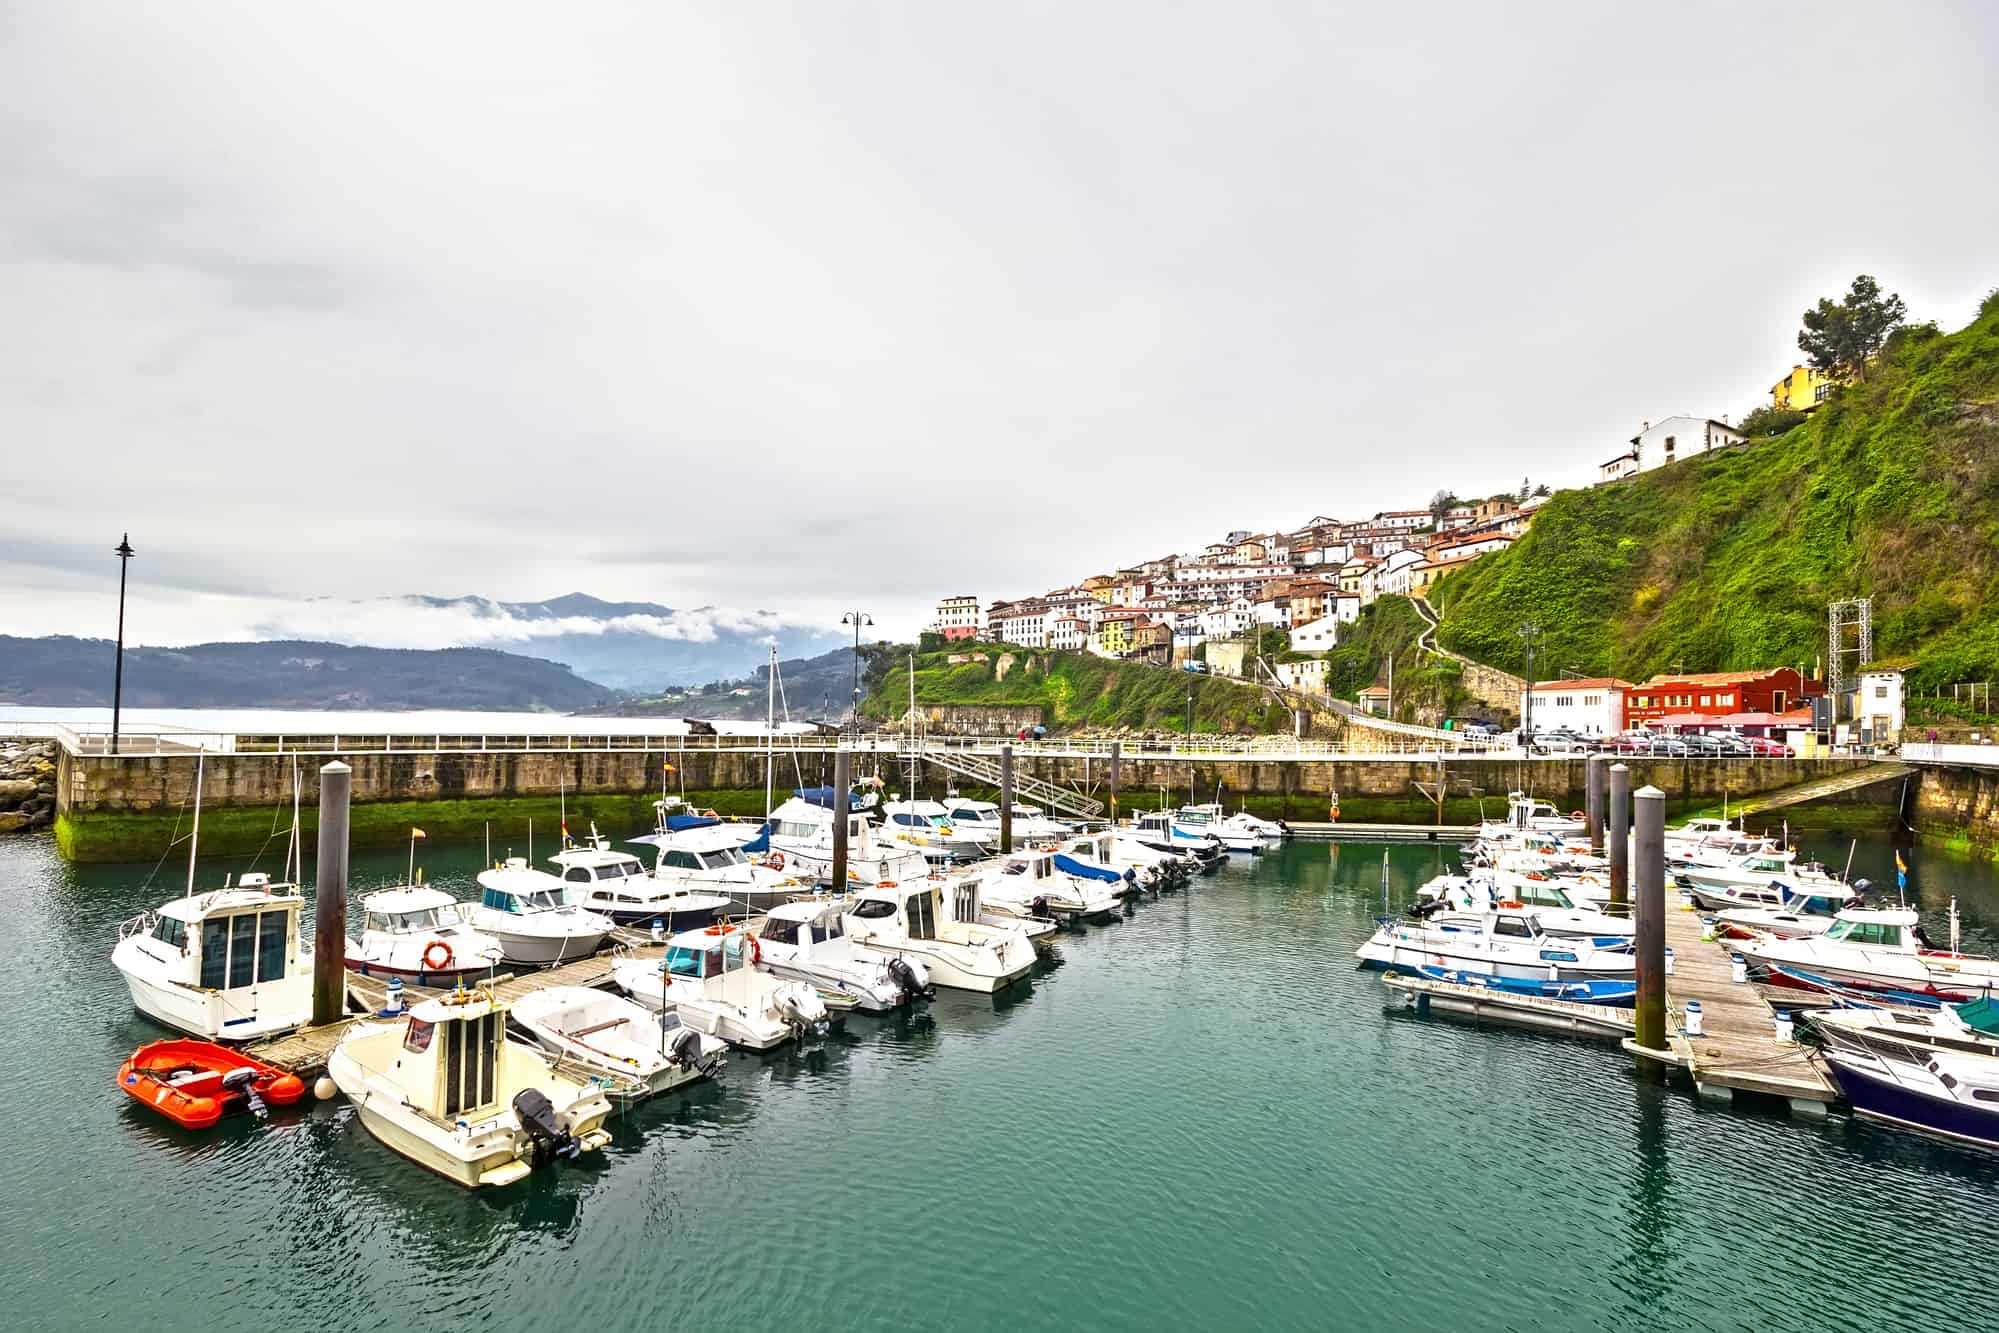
column 986, row 772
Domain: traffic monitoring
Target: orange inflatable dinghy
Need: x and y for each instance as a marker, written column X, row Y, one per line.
column 196, row 1083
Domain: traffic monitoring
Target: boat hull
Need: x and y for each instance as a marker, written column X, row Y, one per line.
column 1888, row 1101
column 546, row 950
column 674, row 921
column 210, row 1016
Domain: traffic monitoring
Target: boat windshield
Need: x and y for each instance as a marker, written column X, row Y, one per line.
column 728, row 856
column 1195, row 816
column 1879, row 933
column 544, row 900
column 683, row 960
column 428, row 918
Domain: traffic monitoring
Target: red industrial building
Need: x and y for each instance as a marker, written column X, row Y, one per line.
column 1717, row 694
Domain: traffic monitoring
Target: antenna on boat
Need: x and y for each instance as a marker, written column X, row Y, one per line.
column 1384, row 881
column 489, row 842
column 562, row 804
column 294, row 856
column 194, row 838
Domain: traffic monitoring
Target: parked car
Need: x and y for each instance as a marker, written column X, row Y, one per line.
column 1764, row 747
column 1560, row 742
column 1198, row 668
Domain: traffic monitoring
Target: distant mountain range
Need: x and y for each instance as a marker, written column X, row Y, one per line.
column 641, row 646
column 812, row 689
column 67, row 672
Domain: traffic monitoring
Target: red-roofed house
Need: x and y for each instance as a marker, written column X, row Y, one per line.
column 1716, row 694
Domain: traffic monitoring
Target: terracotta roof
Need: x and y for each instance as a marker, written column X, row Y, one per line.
column 1581, row 683
column 1381, row 690
column 1716, row 677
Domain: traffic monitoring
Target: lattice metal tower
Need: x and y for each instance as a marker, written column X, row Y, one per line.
column 1849, row 635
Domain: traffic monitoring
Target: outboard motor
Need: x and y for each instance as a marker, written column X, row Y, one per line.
column 805, row 1010
column 905, row 978
column 685, row 1051
column 546, row 1136
column 245, row 1082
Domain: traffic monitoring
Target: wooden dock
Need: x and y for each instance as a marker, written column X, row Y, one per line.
column 1384, row 832
column 1737, row 1050
column 1582, row 1020
column 304, row 1052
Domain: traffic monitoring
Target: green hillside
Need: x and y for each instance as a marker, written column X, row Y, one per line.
column 1726, row 561
column 1075, row 690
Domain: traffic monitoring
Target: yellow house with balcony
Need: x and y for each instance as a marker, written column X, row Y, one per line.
column 1801, row 390
column 1114, row 633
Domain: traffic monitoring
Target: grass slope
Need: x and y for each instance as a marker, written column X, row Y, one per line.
column 1726, row 561
column 1074, row 690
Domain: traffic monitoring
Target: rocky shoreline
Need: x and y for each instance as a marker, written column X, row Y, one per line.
column 27, row 786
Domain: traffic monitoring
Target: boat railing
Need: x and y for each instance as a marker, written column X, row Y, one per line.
column 141, row 924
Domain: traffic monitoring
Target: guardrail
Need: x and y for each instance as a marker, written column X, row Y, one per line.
column 1975, row 756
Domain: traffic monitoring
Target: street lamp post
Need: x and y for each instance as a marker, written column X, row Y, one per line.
column 856, row 619
column 1527, row 632
column 124, row 554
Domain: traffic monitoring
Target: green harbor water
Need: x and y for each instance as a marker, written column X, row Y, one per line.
column 1203, row 1116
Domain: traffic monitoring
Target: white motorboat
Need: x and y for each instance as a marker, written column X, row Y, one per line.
column 982, row 818
column 800, row 839
column 1163, row 830
column 927, row 827
column 1242, row 832
column 1802, row 915
column 1107, row 849
column 705, row 861
column 1876, row 950
column 530, row 914
column 636, row 1052
column 1525, row 813
column 1760, row 879
column 1558, row 909
column 227, row 965
column 448, row 1089
column 1967, row 1029
column 808, row 942
column 710, row 976
column 915, row 921
column 1501, row 943
column 1937, row 1092
column 1045, row 886
column 417, row 933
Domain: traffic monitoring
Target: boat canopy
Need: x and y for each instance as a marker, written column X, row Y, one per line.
column 1084, row 870
column 1981, row 1013
column 823, row 796
column 681, row 823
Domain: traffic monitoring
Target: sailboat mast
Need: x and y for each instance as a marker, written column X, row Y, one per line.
column 194, row 838
column 770, row 739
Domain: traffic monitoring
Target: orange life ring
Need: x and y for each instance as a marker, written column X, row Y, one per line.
column 1579, row 816
column 720, row 928
column 884, row 883
column 1509, row 903
column 775, row 860
column 752, row 950
column 432, row 947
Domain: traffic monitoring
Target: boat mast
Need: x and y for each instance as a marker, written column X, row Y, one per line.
column 914, row 757
column 294, row 856
column 770, row 738
column 194, row 838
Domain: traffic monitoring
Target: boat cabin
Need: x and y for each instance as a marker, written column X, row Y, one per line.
column 453, row 1048
column 1035, row 866
column 1156, row 824
column 917, row 816
column 409, row 912
column 519, row 889
column 697, row 955
column 803, row 924
column 233, row 937
column 595, row 865
column 976, row 814
column 921, row 908
column 1096, row 848
column 1890, row 929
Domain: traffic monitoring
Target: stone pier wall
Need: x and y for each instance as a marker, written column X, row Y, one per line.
column 1959, row 807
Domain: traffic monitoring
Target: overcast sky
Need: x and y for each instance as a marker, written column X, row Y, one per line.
column 801, row 307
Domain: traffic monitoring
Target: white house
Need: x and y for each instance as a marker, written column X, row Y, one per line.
column 1026, row 624
column 1070, row 632
column 1308, row 675
column 1592, row 706
column 1877, row 703
column 1346, row 608
column 1391, row 576
column 958, row 618
column 1319, row 636
column 1662, row 442
column 1469, row 547
column 1228, row 620
column 1270, row 611
column 1401, row 518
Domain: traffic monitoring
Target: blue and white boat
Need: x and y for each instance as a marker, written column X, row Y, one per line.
column 1611, row 994
column 1944, row 1093
column 1164, row 831
column 1502, row 943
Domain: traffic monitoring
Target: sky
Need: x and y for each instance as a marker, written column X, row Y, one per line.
column 801, row 308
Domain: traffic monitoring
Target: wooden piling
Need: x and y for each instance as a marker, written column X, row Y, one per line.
column 842, row 815
column 1117, row 749
column 1006, row 799
column 1593, row 782
column 1619, row 840
column 329, row 912
column 1649, row 850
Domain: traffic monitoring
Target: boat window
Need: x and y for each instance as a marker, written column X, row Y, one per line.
column 828, row 927
column 1511, row 925
column 577, row 874
column 1015, row 868
column 171, row 931
column 214, row 952
column 787, row 828
column 1948, row 1080
column 545, row 900
column 497, row 900
column 684, row 961
column 679, row 860
column 780, row 931
column 271, row 946
column 873, row 909
column 922, row 922
column 728, row 856
column 1985, row 1094
column 416, row 1037
column 242, row 949
column 611, row 871
column 1865, row 932
column 625, row 898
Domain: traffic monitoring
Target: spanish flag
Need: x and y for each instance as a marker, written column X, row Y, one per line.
column 666, row 768
column 565, row 832
column 418, row 833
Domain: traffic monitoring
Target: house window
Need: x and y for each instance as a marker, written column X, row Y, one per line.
column 1707, row 701
column 1880, row 691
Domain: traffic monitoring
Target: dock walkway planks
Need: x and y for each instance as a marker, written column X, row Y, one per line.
column 1737, row 1050
column 304, row 1052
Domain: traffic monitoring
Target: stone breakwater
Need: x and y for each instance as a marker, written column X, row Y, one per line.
column 27, row 786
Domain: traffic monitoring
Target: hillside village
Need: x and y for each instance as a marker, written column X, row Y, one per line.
column 1222, row 607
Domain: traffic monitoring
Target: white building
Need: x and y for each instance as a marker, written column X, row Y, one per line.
column 1593, row 706
column 1469, row 547
column 1069, row 632
column 1228, row 620
column 1321, row 635
column 958, row 618
column 1346, row 608
column 1270, row 611
column 1025, row 624
column 1308, row 675
column 1401, row 518
column 1668, row 441
column 1877, row 704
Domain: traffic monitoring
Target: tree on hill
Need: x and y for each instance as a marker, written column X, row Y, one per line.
column 1769, row 419
column 1441, row 504
column 1839, row 337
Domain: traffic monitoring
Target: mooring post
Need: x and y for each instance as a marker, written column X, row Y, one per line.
column 842, row 816
column 1593, row 778
column 1006, row 799
column 1620, row 834
column 329, row 906
column 1648, row 849
column 1117, row 750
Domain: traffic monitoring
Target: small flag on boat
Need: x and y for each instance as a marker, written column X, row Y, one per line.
column 1901, row 872
column 565, row 830
column 418, row 833
column 666, row 768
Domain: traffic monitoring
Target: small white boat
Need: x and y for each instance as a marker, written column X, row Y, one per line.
column 1556, row 908
column 1526, row 813
column 227, row 965
column 707, row 860
column 1760, row 879
column 617, row 885
column 927, row 827
column 530, row 913
column 915, row 921
column 599, row 1033
column 1242, row 832
column 446, row 1088
column 1038, row 886
column 417, row 933
column 982, row 819
column 1502, row 943
column 1141, row 866
column 710, row 976
column 1878, row 950
column 807, row 941
column 1163, row 830
column 1802, row 916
